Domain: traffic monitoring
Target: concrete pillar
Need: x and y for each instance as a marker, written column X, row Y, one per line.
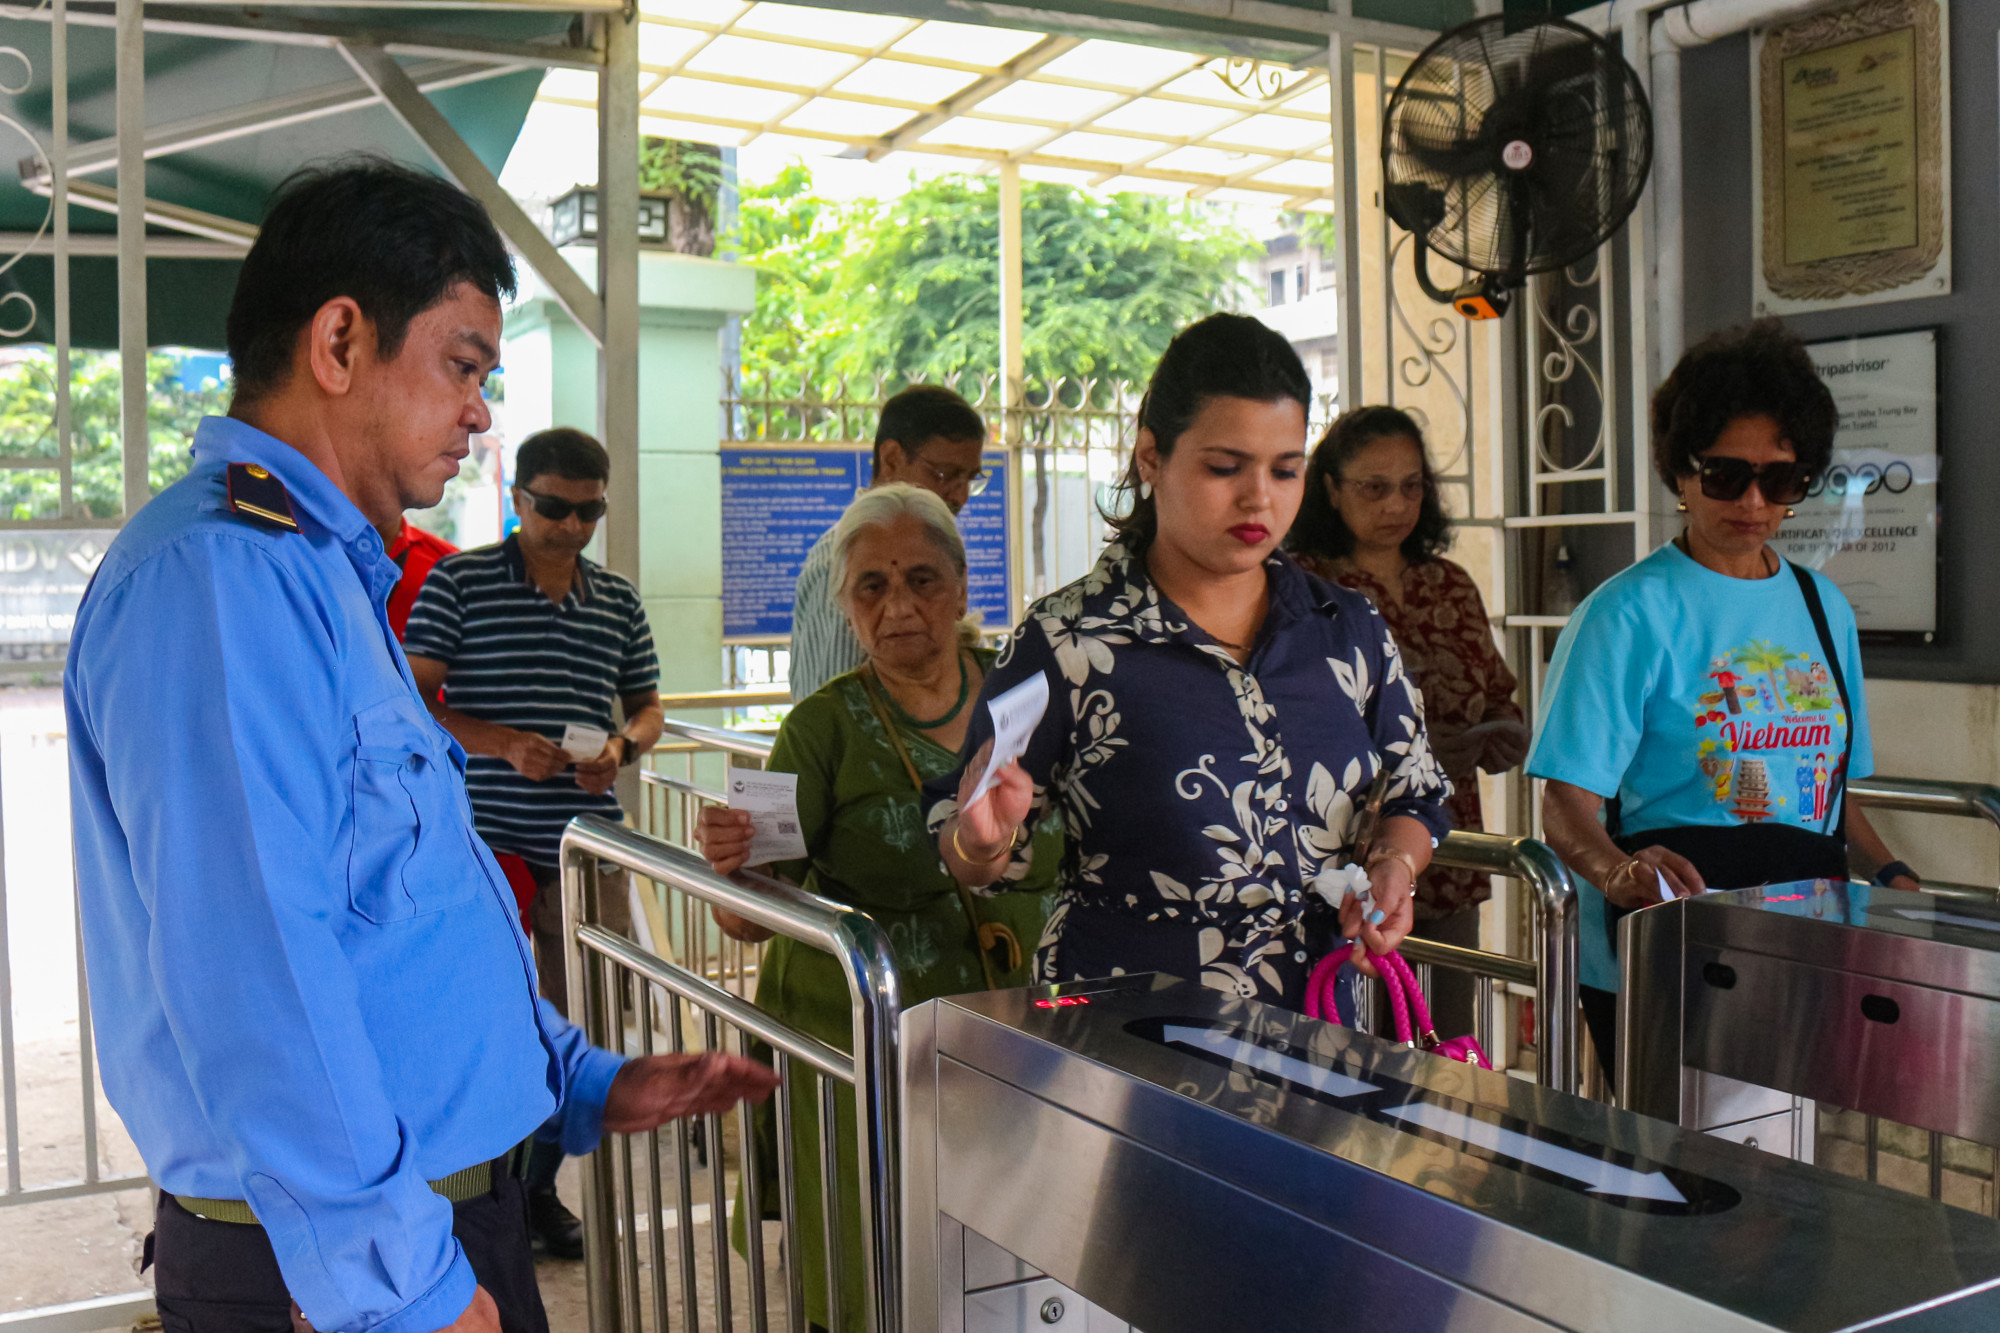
column 551, row 377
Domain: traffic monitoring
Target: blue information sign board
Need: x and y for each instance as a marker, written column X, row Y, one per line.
column 777, row 500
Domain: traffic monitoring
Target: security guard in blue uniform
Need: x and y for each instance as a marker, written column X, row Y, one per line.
column 315, row 1008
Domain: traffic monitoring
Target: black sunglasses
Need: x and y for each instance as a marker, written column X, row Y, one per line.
column 555, row 509
column 1780, row 483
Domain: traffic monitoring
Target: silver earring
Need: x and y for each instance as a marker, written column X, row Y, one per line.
column 1145, row 490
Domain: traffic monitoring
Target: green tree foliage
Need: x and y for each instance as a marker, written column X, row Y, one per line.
column 28, row 431
column 909, row 288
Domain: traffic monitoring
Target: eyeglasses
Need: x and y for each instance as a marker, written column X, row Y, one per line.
column 1780, row 483
column 555, row 509
column 950, row 478
column 1373, row 489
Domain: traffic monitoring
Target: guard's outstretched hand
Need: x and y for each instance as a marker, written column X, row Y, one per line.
column 654, row 1089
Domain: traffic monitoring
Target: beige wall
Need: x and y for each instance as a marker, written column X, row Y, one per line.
column 1930, row 729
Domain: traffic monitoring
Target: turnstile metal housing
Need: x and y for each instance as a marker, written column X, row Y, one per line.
column 1147, row 1152
column 1871, row 999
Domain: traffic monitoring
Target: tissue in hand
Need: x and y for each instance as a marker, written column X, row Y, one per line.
column 1335, row 883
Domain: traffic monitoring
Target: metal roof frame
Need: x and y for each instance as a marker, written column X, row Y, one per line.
column 1278, row 94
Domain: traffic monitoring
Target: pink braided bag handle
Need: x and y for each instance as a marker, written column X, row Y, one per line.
column 1404, row 996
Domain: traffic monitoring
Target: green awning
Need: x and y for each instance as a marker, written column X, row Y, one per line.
column 189, row 77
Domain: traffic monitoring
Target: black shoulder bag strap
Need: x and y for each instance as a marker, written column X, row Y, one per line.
column 1814, row 608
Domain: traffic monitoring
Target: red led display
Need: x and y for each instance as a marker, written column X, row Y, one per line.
column 1062, row 1002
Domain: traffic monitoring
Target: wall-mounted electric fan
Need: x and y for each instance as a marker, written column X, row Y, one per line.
column 1513, row 146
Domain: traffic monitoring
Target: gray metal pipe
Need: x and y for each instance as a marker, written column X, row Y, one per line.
column 747, row 744
column 130, row 117
column 1968, row 800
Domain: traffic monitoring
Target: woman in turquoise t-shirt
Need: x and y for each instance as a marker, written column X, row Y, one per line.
column 1712, row 692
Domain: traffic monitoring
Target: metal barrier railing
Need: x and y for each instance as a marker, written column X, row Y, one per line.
column 672, row 793
column 1552, row 972
column 610, row 976
column 1924, row 796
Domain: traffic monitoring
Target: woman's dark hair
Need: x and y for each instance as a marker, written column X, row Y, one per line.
column 1320, row 530
column 1755, row 369
column 566, row 452
column 394, row 239
column 1222, row 356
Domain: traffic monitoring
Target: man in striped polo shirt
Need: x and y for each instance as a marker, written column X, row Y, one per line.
column 529, row 641
column 927, row 436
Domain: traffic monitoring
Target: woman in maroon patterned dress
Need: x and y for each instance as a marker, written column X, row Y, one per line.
column 1372, row 521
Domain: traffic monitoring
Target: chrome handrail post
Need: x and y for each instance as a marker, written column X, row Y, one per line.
column 1556, row 1002
column 1555, row 907
column 873, row 980
column 600, row 1225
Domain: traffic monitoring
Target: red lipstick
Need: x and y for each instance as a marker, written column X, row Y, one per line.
column 1250, row 534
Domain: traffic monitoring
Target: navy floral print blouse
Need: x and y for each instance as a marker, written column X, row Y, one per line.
column 1201, row 796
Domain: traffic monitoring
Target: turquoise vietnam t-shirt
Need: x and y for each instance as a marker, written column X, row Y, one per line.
column 1699, row 699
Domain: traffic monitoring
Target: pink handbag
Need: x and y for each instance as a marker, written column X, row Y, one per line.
column 1404, row 996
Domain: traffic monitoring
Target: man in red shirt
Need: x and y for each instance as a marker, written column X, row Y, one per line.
column 414, row 552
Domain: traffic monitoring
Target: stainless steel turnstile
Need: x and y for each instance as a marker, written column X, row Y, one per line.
column 1146, row 1154
column 1868, row 998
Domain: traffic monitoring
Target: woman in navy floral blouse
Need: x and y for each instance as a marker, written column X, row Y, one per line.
column 1216, row 714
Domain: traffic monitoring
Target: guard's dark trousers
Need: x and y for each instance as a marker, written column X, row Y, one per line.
column 221, row 1277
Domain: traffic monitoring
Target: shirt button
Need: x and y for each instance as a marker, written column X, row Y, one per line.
column 1283, row 805
column 1299, row 957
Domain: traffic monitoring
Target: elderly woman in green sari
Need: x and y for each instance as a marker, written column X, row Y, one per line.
column 863, row 746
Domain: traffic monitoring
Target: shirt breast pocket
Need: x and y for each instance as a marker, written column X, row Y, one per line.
column 408, row 852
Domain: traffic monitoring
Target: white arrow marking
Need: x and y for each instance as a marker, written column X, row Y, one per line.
column 1599, row 1176
column 1271, row 1062
column 1947, row 918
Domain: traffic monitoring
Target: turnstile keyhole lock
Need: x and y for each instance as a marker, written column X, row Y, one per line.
column 1719, row 975
column 1880, row 1009
column 1052, row 1310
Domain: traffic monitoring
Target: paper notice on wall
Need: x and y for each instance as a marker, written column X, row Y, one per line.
column 773, row 802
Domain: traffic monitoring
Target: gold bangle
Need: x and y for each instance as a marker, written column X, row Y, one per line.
column 966, row 856
column 1396, row 854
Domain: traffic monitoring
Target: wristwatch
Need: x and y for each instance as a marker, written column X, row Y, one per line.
column 1893, row 871
column 630, row 751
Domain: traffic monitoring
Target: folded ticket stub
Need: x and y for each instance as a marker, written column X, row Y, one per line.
column 773, row 802
column 581, row 742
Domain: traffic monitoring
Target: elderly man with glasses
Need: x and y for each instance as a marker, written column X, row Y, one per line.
column 928, row 437
column 533, row 646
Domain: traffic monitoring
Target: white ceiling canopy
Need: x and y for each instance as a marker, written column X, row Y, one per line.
column 1082, row 110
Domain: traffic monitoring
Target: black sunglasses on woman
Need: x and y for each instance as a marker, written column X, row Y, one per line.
column 1782, row 483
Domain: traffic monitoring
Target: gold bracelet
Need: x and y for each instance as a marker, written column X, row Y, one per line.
column 1396, row 854
column 966, row 856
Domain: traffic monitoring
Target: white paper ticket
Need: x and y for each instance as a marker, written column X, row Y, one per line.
column 1016, row 714
column 773, row 802
column 580, row 742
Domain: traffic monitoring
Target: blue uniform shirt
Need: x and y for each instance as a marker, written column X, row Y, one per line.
column 310, row 986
